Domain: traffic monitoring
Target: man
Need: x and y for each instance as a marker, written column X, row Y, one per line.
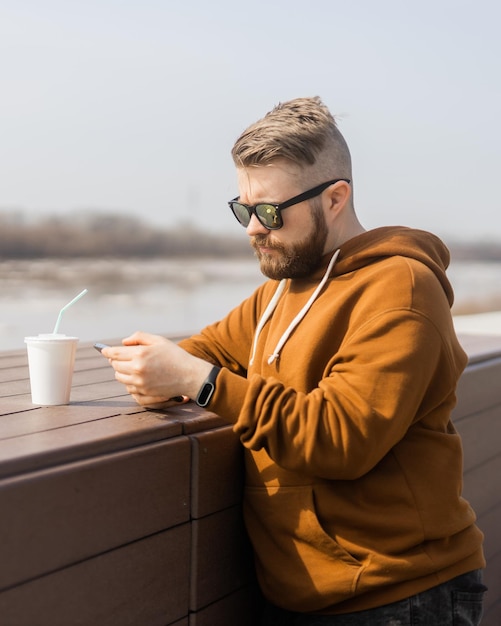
column 339, row 376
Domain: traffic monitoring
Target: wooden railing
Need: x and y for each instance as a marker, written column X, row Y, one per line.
column 477, row 418
column 113, row 515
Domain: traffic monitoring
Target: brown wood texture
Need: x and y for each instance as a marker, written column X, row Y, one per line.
column 145, row 582
column 67, row 514
column 477, row 418
column 217, row 477
column 221, row 558
column 97, row 492
column 240, row 608
column 478, row 387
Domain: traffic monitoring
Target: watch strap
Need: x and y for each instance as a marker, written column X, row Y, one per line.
column 208, row 387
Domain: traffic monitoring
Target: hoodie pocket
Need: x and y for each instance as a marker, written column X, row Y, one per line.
column 300, row 567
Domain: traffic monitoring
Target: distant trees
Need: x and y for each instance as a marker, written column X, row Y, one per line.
column 109, row 235
column 90, row 234
column 476, row 251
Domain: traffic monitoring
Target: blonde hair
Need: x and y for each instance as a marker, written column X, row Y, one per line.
column 302, row 131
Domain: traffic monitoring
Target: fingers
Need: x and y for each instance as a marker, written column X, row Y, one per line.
column 142, row 339
column 126, row 352
column 116, row 353
column 150, row 366
column 122, row 353
column 137, row 339
column 134, row 339
column 143, row 369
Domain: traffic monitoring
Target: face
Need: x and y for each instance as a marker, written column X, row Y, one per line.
column 296, row 249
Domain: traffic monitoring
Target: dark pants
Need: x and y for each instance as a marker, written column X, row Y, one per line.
column 457, row 602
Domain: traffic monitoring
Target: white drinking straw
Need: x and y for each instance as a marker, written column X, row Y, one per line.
column 56, row 327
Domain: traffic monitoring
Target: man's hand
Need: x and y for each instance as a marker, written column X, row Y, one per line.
column 154, row 369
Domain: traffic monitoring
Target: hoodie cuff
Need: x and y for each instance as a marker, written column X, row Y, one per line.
column 229, row 395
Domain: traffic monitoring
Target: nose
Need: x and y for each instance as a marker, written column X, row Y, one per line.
column 254, row 227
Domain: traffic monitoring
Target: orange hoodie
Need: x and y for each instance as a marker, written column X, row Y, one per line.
column 353, row 467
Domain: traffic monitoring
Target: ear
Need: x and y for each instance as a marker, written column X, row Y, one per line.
column 337, row 198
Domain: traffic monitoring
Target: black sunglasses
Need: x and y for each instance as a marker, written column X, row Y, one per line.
column 268, row 214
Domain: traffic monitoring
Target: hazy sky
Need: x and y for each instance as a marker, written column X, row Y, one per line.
column 134, row 105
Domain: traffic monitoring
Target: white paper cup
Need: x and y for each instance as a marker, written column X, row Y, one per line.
column 51, row 360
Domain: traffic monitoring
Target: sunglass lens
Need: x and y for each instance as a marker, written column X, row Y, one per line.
column 241, row 213
column 268, row 215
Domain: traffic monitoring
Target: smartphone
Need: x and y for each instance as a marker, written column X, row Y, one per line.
column 101, row 346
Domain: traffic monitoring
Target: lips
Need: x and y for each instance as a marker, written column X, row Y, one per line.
column 265, row 249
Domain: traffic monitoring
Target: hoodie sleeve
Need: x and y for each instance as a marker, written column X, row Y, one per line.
column 361, row 410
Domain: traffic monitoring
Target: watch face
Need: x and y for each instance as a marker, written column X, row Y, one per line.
column 205, row 394
column 208, row 388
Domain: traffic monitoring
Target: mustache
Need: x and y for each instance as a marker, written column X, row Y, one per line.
column 264, row 240
column 259, row 240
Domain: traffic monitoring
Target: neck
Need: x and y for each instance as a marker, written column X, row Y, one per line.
column 343, row 233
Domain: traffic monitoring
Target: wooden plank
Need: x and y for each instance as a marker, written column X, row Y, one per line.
column 217, row 474
column 221, row 560
column 19, row 404
column 104, row 389
column 241, row 608
column 98, row 391
column 145, row 582
column 492, row 615
column 202, row 422
column 18, row 358
column 14, row 380
column 478, row 388
column 481, row 486
column 94, row 375
column 22, row 403
column 64, row 445
column 53, row 518
column 490, row 524
column 481, row 435
column 193, row 419
column 18, row 370
column 16, row 387
column 480, row 347
column 8, row 374
column 492, row 602
column 50, row 418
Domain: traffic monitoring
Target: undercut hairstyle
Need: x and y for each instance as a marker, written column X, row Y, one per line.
column 302, row 131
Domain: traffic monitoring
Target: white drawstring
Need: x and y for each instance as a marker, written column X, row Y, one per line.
column 272, row 305
column 264, row 317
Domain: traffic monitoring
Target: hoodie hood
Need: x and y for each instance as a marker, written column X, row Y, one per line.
column 389, row 241
column 361, row 251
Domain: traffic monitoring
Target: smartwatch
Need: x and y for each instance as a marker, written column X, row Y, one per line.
column 208, row 387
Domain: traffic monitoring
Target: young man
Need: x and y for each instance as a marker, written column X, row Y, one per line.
column 339, row 376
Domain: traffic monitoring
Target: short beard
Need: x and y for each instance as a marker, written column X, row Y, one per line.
column 296, row 260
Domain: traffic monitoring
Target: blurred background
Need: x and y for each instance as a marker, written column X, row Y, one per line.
column 117, row 119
